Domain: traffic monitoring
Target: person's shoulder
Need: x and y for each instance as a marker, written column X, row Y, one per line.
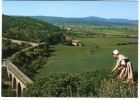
column 122, row 56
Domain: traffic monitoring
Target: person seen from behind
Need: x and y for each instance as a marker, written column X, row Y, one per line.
column 123, row 66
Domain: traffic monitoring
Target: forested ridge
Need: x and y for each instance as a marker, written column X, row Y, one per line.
column 91, row 20
column 28, row 29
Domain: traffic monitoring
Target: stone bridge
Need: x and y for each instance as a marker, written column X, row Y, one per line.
column 18, row 78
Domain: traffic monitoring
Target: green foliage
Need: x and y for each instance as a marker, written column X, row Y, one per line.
column 68, row 42
column 8, row 93
column 46, row 49
column 115, row 88
column 28, row 29
column 29, row 62
column 9, row 48
column 21, row 58
column 127, row 43
column 54, row 85
column 4, row 74
column 55, row 37
column 91, row 83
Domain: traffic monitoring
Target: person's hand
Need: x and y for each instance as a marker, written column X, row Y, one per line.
column 112, row 71
column 120, row 68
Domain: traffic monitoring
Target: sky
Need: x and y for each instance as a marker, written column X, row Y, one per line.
column 76, row 9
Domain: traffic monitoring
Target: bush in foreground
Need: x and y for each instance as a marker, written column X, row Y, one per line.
column 54, row 85
column 115, row 88
column 92, row 83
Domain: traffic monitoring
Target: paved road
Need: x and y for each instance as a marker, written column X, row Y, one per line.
column 19, row 74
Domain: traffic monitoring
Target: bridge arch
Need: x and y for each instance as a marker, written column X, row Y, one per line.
column 14, row 83
column 18, row 78
column 19, row 90
column 23, row 89
column 10, row 76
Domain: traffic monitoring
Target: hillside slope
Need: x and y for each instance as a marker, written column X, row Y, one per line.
column 28, row 29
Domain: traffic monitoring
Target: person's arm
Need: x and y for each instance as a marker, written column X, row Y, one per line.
column 120, row 67
column 117, row 65
column 114, row 68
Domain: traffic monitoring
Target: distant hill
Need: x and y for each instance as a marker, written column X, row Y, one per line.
column 86, row 21
column 28, row 29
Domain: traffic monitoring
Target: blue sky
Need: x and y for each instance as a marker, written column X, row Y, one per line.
column 104, row 9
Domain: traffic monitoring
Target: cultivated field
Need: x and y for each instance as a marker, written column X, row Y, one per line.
column 96, row 53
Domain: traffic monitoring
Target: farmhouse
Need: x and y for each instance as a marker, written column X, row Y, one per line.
column 76, row 43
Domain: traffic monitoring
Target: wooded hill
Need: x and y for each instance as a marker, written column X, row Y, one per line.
column 29, row 29
column 91, row 20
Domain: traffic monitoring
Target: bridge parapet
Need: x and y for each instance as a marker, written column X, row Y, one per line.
column 18, row 73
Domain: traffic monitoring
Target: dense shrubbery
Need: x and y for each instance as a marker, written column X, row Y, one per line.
column 93, row 83
column 55, row 85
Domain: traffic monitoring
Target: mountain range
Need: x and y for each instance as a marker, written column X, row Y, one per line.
column 91, row 20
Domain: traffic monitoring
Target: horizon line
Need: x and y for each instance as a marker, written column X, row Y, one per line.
column 67, row 17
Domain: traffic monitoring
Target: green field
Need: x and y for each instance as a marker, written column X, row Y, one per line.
column 96, row 53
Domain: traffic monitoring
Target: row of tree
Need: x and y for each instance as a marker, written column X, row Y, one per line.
column 127, row 43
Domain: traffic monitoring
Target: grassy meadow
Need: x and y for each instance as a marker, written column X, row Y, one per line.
column 95, row 54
